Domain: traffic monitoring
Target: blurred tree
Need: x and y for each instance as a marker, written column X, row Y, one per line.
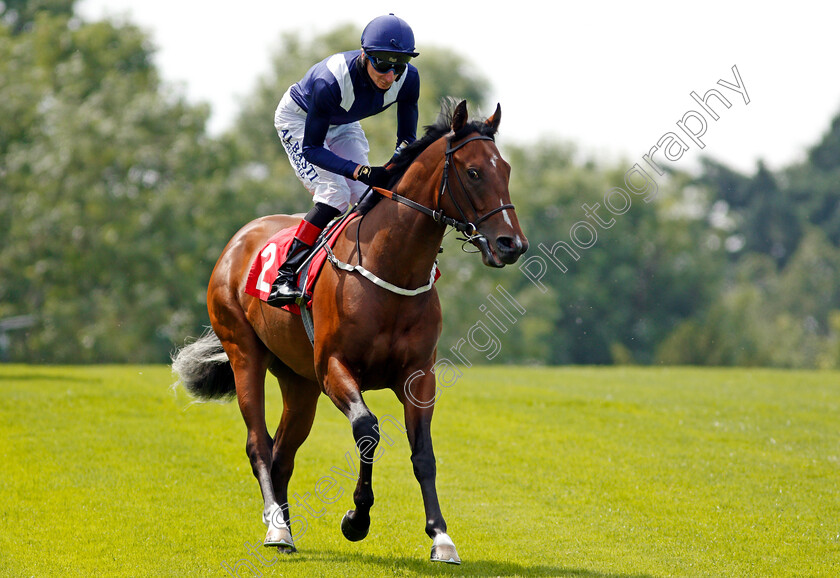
column 814, row 184
column 782, row 234
column 761, row 210
column 19, row 15
column 98, row 165
column 646, row 272
column 784, row 318
column 825, row 156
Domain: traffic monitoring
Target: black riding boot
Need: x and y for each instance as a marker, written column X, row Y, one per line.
column 284, row 290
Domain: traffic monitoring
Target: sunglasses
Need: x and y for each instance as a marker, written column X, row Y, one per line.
column 382, row 62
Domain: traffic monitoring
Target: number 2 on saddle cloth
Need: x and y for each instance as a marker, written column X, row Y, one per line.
column 263, row 270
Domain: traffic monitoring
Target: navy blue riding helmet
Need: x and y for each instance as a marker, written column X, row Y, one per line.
column 388, row 41
column 389, row 34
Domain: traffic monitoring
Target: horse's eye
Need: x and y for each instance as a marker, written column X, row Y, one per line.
column 473, row 174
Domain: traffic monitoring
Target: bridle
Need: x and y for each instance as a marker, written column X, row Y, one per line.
column 469, row 228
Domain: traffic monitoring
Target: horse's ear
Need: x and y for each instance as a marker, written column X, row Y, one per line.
column 495, row 118
column 459, row 117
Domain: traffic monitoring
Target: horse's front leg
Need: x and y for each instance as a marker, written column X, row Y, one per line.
column 343, row 389
column 419, row 407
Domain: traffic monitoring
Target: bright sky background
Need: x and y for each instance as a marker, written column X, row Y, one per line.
column 611, row 77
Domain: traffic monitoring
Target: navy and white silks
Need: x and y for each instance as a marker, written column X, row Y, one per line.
column 318, row 122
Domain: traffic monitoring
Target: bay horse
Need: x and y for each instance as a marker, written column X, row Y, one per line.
column 366, row 337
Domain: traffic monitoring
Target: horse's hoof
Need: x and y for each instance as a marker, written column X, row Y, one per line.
column 350, row 531
column 280, row 537
column 443, row 550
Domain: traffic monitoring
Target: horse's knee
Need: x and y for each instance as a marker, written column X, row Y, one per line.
column 366, row 436
column 365, row 424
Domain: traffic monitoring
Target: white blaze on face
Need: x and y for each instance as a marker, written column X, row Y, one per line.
column 505, row 215
column 493, row 160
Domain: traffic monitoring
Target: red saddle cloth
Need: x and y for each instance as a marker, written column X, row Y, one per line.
column 263, row 271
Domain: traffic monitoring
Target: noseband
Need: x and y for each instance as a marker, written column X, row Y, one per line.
column 464, row 225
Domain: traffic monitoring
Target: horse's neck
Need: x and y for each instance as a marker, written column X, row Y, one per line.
column 405, row 241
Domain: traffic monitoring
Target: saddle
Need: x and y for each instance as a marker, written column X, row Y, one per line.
column 268, row 260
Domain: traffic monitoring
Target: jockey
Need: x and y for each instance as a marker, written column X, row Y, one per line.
column 318, row 122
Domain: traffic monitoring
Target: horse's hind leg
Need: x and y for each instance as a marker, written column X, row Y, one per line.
column 300, row 401
column 249, row 359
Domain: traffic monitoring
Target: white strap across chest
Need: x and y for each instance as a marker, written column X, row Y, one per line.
column 376, row 280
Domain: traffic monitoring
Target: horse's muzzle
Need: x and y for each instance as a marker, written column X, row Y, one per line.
column 509, row 249
column 503, row 251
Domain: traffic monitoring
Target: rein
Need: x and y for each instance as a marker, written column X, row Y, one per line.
column 465, row 226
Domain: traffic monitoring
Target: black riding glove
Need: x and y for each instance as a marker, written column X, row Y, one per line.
column 374, row 176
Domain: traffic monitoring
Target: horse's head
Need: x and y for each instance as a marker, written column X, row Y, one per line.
column 475, row 189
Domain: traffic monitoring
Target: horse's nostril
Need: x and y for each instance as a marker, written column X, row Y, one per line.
column 508, row 245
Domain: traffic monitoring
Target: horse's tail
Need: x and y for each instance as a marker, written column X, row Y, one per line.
column 203, row 368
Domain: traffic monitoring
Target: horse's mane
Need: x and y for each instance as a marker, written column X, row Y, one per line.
column 441, row 127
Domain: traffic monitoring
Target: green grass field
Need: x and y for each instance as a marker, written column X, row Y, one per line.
column 585, row 472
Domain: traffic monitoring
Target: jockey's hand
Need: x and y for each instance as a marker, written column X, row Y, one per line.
column 373, row 176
